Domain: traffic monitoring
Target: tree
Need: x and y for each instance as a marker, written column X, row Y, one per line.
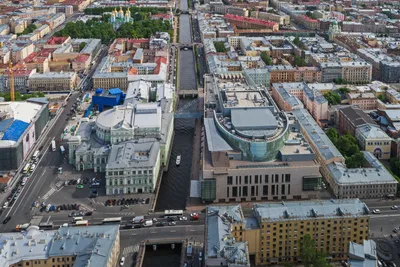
column 267, row 59
column 81, row 46
column 310, row 256
column 332, row 134
column 344, row 90
column 220, row 47
column 332, row 98
column 299, row 61
column 296, row 41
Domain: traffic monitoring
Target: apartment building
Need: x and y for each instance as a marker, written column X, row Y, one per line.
column 273, row 234
column 365, row 101
column 67, row 246
column 282, row 19
column 308, row 74
column 372, row 181
column 53, row 81
column 309, row 23
column 351, row 117
column 282, row 73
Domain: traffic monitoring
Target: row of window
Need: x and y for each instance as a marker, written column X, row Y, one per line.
column 243, row 191
column 139, row 172
column 258, row 179
column 378, row 143
column 128, row 181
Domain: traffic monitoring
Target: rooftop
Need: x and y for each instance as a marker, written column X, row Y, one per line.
column 310, row 210
column 91, row 245
column 221, row 243
column 250, row 20
column 363, row 255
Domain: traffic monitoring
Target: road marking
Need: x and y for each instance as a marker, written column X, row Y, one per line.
column 384, row 215
column 134, row 234
column 192, row 230
column 153, row 232
column 130, row 249
column 49, row 193
column 173, row 231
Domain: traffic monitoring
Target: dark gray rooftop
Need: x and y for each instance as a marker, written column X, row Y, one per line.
column 253, row 119
column 214, row 140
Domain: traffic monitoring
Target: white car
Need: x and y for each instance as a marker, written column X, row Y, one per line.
column 122, row 261
column 33, row 166
column 154, row 220
column 5, row 205
column 376, row 211
column 394, row 207
column 183, row 218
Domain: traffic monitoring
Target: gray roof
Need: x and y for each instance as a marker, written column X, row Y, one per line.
column 214, row 140
column 249, row 119
column 296, row 210
column 133, row 154
column 363, row 255
column 221, row 243
column 377, row 174
column 92, row 245
column 320, row 140
column 356, row 116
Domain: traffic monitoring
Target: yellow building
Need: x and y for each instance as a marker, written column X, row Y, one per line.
column 68, row 246
column 273, row 235
column 375, row 140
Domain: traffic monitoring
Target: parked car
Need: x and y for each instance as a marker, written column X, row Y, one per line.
column 7, row 219
column 394, row 207
column 376, row 211
column 172, row 223
column 160, row 224
column 122, row 261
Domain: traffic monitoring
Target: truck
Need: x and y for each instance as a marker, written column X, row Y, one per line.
column 138, row 219
column 22, row 227
column 148, row 223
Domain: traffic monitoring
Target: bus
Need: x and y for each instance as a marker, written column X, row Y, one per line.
column 82, row 223
column 53, row 145
column 116, row 220
column 46, row 226
column 26, row 168
column 35, row 156
column 62, row 149
column 173, row 213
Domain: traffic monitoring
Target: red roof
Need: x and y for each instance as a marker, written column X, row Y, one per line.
column 56, row 40
column 45, row 52
column 250, row 20
column 159, row 61
column 82, row 58
column 31, row 57
column 307, row 18
column 161, row 16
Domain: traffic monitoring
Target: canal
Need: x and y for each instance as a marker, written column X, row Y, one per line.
column 175, row 184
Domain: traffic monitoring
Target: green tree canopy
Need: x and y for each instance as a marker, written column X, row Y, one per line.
column 333, row 98
column 299, row 61
column 220, row 47
column 267, row 59
column 310, row 256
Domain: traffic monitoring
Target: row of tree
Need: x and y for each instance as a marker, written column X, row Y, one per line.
column 20, row 97
column 106, row 32
column 348, row 146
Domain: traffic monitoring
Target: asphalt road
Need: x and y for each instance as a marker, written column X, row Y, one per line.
column 43, row 175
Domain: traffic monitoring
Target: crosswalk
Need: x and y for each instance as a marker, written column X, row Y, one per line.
column 130, row 250
column 49, row 193
column 121, row 213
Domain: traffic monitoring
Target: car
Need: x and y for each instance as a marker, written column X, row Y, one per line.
column 376, row 211
column 138, row 226
column 79, row 186
column 64, row 225
column 7, row 219
column 72, row 214
column 154, row 220
column 172, row 223
column 395, row 230
column 183, row 218
column 33, row 166
column 394, row 207
column 171, row 219
column 88, row 213
column 160, row 224
column 122, row 261
column 6, row 204
column 128, row 226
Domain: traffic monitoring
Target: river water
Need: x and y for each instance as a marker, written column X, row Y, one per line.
column 175, row 182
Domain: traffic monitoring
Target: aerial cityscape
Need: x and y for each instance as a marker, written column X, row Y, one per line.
column 199, row 133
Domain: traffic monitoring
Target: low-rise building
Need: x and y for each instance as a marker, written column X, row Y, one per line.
column 365, row 101
column 352, row 117
column 53, row 81
column 373, row 139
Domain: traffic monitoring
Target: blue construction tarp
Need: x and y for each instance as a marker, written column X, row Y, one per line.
column 5, row 124
column 114, row 91
column 14, row 132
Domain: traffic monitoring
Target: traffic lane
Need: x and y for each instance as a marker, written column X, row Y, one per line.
column 177, row 232
column 383, row 224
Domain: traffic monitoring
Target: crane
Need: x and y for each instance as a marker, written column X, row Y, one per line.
column 12, row 92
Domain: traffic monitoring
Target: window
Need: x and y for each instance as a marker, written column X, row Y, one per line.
column 227, row 192
column 265, row 190
column 245, row 193
column 234, row 191
column 256, row 179
column 252, row 191
column 276, row 178
column 121, row 172
column 287, row 178
column 283, row 189
column 110, row 173
column 246, row 179
column 229, row 180
column 266, row 178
